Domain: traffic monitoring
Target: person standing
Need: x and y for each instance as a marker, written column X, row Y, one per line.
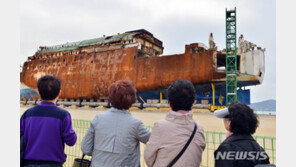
column 46, row 128
column 239, row 148
column 113, row 136
column 170, row 135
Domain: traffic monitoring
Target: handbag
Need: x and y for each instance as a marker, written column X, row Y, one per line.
column 184, row 148
column 81, row 162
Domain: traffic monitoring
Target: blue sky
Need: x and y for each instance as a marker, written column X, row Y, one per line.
column 174, row 22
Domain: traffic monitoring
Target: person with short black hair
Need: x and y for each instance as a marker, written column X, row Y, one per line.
column 46, row 128
column 181, row 95
column 241, row 122
column 114, row 136
column 49, row 87
column 171, row 135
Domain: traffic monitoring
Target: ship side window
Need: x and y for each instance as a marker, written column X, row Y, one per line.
column 64, row 59
column 191, row 50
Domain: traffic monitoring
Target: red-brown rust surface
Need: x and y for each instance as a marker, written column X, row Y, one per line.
column 89, row 75
column 157, row 72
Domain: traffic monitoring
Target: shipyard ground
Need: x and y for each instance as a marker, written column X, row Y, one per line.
column 267, row 126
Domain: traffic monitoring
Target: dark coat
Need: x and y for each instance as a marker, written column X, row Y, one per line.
column 244, row 150
column 22, row 148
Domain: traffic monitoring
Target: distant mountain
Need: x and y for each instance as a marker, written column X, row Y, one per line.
column 267, row 105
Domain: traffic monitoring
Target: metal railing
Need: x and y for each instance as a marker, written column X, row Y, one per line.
column 213, row 140
column 78, row 103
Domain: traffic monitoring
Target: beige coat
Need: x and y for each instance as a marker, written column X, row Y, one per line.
column 169, row 136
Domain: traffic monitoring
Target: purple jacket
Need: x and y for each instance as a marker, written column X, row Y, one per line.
column 46, row 129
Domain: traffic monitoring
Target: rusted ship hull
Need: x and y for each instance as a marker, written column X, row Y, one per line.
column 90, row 75
column 87, row 71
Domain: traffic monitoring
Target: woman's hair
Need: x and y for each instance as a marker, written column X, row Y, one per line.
column 243, row 119
column 181, row 95
column 122, row 94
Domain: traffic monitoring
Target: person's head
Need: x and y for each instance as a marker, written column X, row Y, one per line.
column 243, row 119
column 181, row 95
column 49, row 87
column 122, row 94
column 238, row 118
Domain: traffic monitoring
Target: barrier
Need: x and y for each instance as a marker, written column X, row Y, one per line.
column 78, row 103
column 213, row 140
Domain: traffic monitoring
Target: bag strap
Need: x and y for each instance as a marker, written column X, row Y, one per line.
column 184, row 148
column 81, row 160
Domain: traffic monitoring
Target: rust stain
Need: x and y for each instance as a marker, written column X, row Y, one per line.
column 87, row 70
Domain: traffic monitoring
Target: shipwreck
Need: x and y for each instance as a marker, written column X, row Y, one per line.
column 88, row 67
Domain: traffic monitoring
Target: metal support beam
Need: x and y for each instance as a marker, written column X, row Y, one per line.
column 213, row 90
column 231, row 57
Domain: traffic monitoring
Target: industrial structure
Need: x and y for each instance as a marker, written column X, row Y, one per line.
column 231, row 57
column 88, row 67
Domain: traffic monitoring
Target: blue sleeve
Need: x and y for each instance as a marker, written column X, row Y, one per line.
column 68, row 134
